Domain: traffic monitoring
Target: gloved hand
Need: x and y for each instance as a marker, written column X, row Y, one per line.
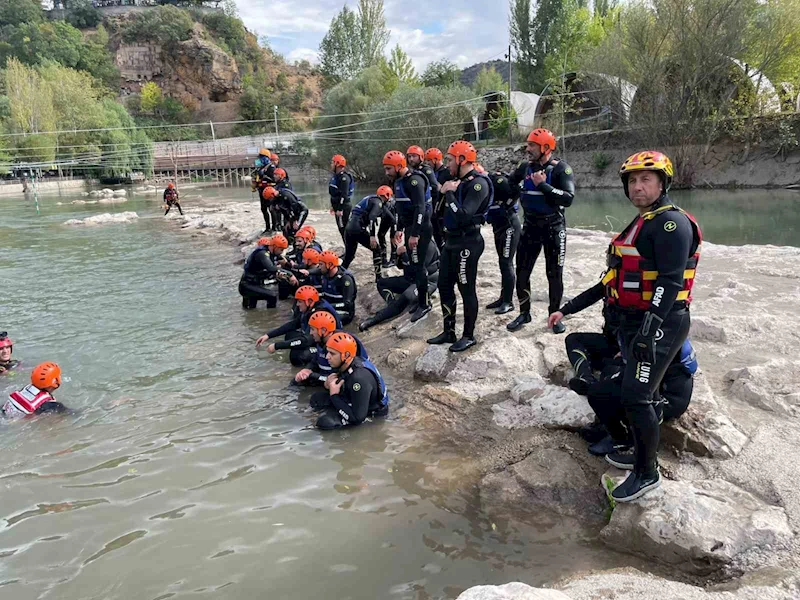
column 643, row 346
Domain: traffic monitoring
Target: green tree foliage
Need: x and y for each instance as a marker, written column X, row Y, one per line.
column 520, row 32
column 17, row 12
column 440, row 72
column 83, row 15
column 228, row 32
column 355, row 40
column 400, row 66
column 165, row 24
column 97, row 60
column 151, row 97
column 488, row 80
column 47, row 98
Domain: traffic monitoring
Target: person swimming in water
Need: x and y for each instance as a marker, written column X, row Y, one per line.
column 36, row 398
column 6, row 349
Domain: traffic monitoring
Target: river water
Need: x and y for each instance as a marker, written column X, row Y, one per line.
column 176, row 476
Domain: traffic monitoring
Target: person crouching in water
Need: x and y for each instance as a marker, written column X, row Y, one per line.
column 259, row 272
column 6, row 348
column 171, row 198
column 36, row 398
column 356, row 389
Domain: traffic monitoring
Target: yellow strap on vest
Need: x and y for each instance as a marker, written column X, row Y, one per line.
column 682, row 295
column 654, row 213
column 610, row 275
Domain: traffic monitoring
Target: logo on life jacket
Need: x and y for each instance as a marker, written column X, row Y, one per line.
column 670, row 226
column 356, row 387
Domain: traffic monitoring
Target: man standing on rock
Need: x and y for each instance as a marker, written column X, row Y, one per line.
column 171, row 198
column 651, row 270
column 435, row 158
column 548, row 187
column 467, row 198
column 341, row 188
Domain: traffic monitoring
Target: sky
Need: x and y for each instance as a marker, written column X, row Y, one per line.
column 464, row 31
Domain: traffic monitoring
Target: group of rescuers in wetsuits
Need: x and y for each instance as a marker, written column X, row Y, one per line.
column 635, row 373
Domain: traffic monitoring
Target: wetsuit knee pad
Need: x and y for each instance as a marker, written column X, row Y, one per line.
column 329, row 420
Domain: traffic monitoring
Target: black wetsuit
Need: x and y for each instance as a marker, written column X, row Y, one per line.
column 464, row 213
column 361, row 396
column 293, row 210
column 340, row 290
column 297, row 334
column 171, row 199
column 401, row 292
column 666, row 243
column 442, row 175
column 340, row 189
column 362, row 226
column 258, row 270
column 7, row 366
column 413, row 208
column 264, row 177
column 545, row 227
column 506, row 229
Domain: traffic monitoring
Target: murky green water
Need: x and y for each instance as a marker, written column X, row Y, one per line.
column 178, row 477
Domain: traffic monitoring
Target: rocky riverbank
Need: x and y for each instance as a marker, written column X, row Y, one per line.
column 730, row 506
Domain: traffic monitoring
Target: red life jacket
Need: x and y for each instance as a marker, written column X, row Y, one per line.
column 26, row 401
column 630, row 278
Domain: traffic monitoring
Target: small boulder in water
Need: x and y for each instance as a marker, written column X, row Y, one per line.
column 123, row 217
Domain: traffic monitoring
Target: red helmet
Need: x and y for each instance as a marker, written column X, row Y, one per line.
column 269, row 192
column 307, row 293
column 274, row 157
column 280, row 174
column 311, row 256
column 170, row 185
column 329, row 258
column 338, row 161
column 543, row 137
column 278, row 242
column 264, row 241
column 46, row 375
column 5, row 341
column 394, row 158
column 416, row 150
column 343, row 343
column 310, row 229
column 463, row 152
column 305, row 235
column 323, row 322
column 433, row 155
column 384, row 192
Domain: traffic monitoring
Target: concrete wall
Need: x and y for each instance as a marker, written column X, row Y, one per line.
column 137, row 62
column 15, row 189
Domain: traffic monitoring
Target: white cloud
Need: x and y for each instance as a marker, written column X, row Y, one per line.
column 308, row 54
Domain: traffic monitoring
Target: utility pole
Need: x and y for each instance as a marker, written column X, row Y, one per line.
column 275, row 113
column 508, row 98
column 214, row 142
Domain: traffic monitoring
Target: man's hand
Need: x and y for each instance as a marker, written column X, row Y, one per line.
column 303, row 272
column 554, row 318
column 450, row 186
column 413, row 241
column 335, row 386
column 261, row 340
column 331, row 211
column 293, row 281
column 339, row 213
column 401, row 250
column 271, row 349
column 398, row 238
column 373, row 242
column 539, row 177
column 302, row 375
column 643, row 346
column 328, row 379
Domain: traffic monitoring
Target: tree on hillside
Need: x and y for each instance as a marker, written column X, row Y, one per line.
column 488, row 80
column 83, row 15
column 522, row 42
column 440, row 72
column 354, row 41
column 17, row 12
column 151, row 97
column 401, row 67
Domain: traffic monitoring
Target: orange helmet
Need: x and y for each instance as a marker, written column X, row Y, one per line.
column 323, row 322
column 46, row 375
column 649, row 160
column 343, row 343
column 279, row 174
column 274, row 157
column 543, row 137
column 394, row 158
column 171, row 185
column 311, row 256
column 384, row 192
column 269, row 192
column 307, row 293
column 329, row 258
column 264, row 241
column 463, row 151
column 305, row 235
column 278, row 242
column 416, row 150
column 264, row 152
column 339, row 161
column 310, row 229
column 433, row 155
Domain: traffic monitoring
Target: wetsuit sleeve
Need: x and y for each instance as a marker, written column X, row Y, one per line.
column 285, row 328
column 343, row 183
column 265, row 264
column 432, row 182
column 375, row 213
column 517, row 177
column 585, row 299
column 415, row 190
column 301, row 210
column 669, row 246
column 562, row 192
column 51, row 407
column 474, row 197
column 303, row 341
column 268, row 174
column 353, row 403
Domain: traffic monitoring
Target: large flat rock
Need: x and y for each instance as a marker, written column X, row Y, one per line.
column 536, row 403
